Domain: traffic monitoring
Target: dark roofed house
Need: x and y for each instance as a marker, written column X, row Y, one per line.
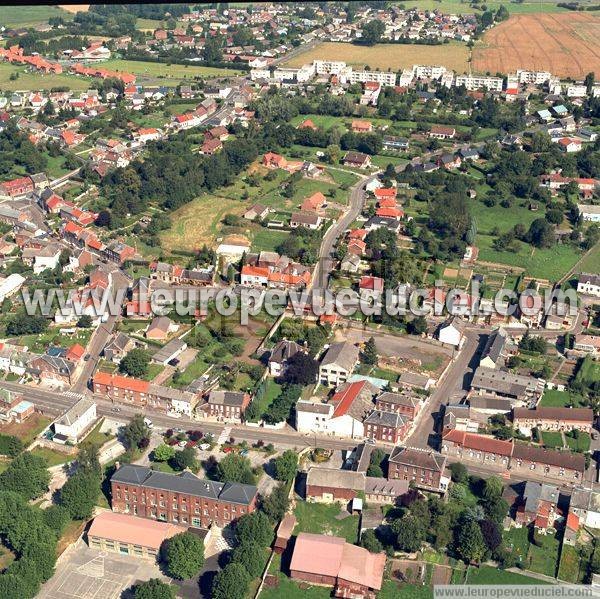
column 117, row 347
column 357, row 160
column 561, row 465
column 387, row 427
column 280, row 354
column 554, row 418
column 406, row 404
column 227, row 406
column 179, row 498
column 506, row 384
column 424, row 467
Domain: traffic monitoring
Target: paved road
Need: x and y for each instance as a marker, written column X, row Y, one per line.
column 453, row 386
column 326, row 259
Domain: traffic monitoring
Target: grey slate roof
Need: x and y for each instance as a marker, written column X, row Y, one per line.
column 382, row 418
column 226, row 398
column 342, row 354
column 75, row 412
column 284, row 350
column 495, row 345
column 399, row 399
column 185, row 482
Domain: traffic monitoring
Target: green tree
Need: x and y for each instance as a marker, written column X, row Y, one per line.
column 79, row 494
column 277, row 503
column 470, row 543
column 493, row 488
column 56, row 518
column 154, row 589
column 286, row 465
column 85, row 321
column 458, row 472
column 417, row 326
column 375, row 470
column 369, row 352
column 135, row 432
column 235, row 468
column 26, row 475
column 135, row 363
column 251, row 556
column 163, row 452
column 183, row 555
column 370, row 541
column 186, row 458
column 231, row 582
column 255, row 527
column 410, row 533
column 372, row 32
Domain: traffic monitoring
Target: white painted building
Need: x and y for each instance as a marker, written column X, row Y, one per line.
column 576, row 91
column 589, row 212
column 76, row 420
column 11, row 285
column 329, row 67
column 535, row 77
column 428, row 71
column 589, row 284
column 473, row 82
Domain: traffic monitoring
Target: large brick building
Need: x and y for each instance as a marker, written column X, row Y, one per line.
column 179, row 498
column 554, row 419
column 424, row 467
column 405, row 404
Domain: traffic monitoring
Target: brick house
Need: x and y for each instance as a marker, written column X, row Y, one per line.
column 424, row 467
column 387, row 427
column 227, row 405
column 52, row 370
column 470, row 446
column 328, row 485
column 179, row 498
column 17, row 186
column 554, row 419
column 122, row 389
column 404, row 404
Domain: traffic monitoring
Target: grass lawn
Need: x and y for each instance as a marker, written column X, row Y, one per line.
column 160, row 70
column 553, row 398
column 153, row 371
column 570, row 568
column 272, row 390
column 591, row 263
column 52, row 457
column 582, row 443
column 35, row 81
column 29, row 15
column 544, row 559
column 544, row 263
column 388, row 56
column 320, row 518
column 96, row 437
column 552, row 439
column 267, row 239
column 517, row 542
column 489, row 575
column 395, row 590
column 588, row 371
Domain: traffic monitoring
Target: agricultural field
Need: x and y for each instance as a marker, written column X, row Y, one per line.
column 388, row 56
column 30, row 16
column 155, row 72
column 463, row 7
column 36, row 81
column 564, row 44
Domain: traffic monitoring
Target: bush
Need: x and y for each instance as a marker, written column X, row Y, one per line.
column 10, row 445
column 184, row 555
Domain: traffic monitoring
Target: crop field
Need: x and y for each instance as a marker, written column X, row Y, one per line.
column 388, row 56
column 565, row 44
column 155, row 71
column 29, row 15
column 462, row 7
column 35, row 81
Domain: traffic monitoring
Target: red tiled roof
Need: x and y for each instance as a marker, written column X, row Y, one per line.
column 121, row 382
column 479, row 442
column 385, row 192
column 344, row 399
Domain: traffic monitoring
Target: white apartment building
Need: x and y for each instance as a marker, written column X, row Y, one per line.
column 576, row 91
column 406, row 77
column 76, row 420
column 536, row 77
column 428, row 71
column 260, row 74
column 328, row 67
column 348, row 75
column 473, row 82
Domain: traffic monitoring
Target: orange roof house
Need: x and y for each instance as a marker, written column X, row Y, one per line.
column 385, row 193
column 362, row 126
column 387, row 203
column 307, row 124
column 390, row 212
column 314, row 202
column 273, row 160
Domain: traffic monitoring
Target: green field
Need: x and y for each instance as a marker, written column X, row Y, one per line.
column 156, row 71
column 552, row 440
column 267, row 239
column 29, row 16
column 35, row 81
column 462, row 7
column 272, row 390
column 544, row 559
column 489, row 575
column 591, row 263
column 560, row 399
column 52, row 457
column 320, row 518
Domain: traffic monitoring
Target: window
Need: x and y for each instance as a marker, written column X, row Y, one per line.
column 196, row 522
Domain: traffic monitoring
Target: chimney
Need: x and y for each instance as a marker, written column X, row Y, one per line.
column 117, row 465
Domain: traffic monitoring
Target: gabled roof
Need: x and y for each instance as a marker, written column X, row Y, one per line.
column 479, row 442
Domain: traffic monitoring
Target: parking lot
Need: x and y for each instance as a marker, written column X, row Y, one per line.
column 86, row 573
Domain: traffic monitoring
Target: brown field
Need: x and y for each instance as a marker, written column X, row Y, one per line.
column 74, row 7
column 565, row 44
column 387, row 56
